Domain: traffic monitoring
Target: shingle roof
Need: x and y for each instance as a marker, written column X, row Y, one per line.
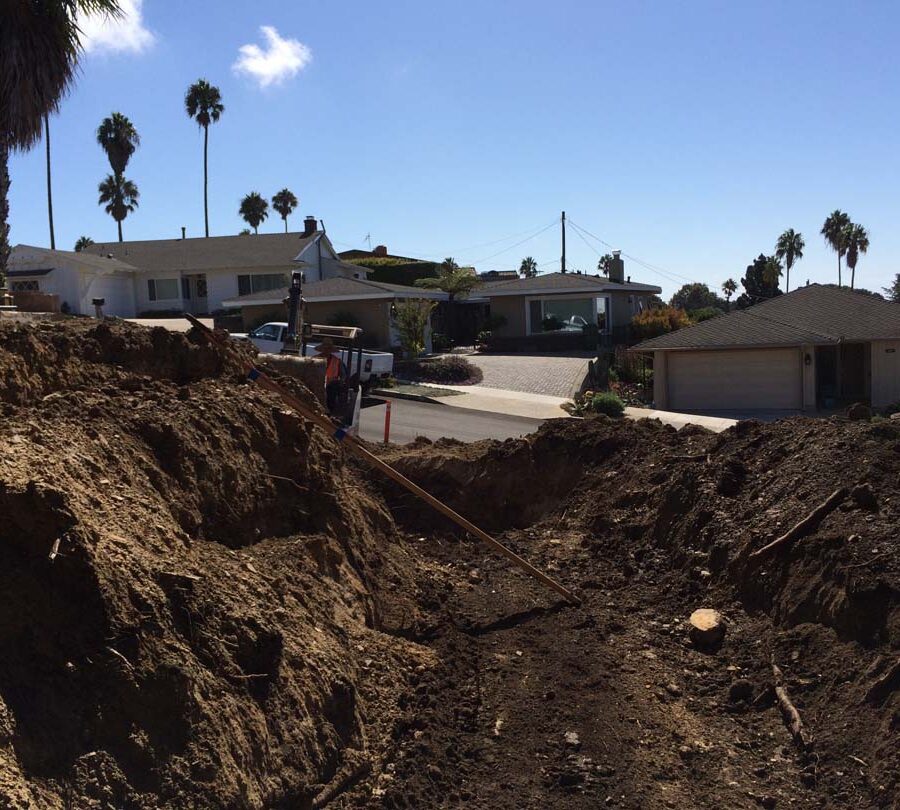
column 814, row 314
column 560, row 282
column 37, row 258
column 260, row 250
column 339, row 287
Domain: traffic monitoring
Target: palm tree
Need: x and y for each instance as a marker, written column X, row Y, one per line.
column 284, row 202
column 835, row 232
column 82, row 243
column 789, row 249
column 203, row 103
column 118, row 138
column 857, row 242
column 254, row 209
column 39, row 50
column 528, row 268
column 49, row 185
column 604, row 264
column 772, row 272
column 729, row 288
column 120, row 196
column 454, row 280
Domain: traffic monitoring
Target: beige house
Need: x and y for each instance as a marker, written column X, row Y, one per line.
column 816, row 347
column 355, row 302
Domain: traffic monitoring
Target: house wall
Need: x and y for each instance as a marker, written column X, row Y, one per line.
column 117, row 291
column 513, row 309
column 373, row 317
column 809, row 376
column 660, row 380
column 885, row 364
column 142, row 293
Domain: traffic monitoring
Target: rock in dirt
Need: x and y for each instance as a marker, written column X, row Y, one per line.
column 859, row 410
column 707, row 627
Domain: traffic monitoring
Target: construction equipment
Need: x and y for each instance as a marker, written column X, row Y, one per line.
column 355, row 446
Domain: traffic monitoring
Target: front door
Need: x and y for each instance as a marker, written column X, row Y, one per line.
column 193, row 293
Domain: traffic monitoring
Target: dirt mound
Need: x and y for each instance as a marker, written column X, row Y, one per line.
column 189, row 583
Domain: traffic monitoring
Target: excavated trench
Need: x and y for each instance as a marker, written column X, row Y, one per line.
column 205, row 603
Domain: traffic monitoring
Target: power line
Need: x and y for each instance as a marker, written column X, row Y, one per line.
column 521, row 242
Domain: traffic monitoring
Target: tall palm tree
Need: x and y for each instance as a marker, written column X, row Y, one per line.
column 49, row 185
column 120, row 196
column 203, row 103
column 254, row 209
column 284, row 202
column 857, row 242
column 528, row 268
column 729, row 288
column 835, row 232
column 789, row 249
column 82, row 243
column 39, row 49
column 118, row 138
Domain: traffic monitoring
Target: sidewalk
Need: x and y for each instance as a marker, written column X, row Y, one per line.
column 678, row 420
column 499, row 400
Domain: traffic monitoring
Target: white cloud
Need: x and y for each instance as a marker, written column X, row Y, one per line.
column 282, row 58
column 125, row 34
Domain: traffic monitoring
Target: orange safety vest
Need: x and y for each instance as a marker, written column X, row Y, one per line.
column 332, row 369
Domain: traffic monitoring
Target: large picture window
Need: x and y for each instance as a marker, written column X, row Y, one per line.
column 163, row 289
column 261, row 282
column 566, row 314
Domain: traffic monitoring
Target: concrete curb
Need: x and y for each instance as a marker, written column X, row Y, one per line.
column 392, row 394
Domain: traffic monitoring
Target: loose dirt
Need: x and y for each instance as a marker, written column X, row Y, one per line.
column 205, row 604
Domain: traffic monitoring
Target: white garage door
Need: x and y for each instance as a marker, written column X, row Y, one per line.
column 749, row 379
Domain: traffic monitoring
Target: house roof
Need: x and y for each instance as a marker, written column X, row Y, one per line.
column 214, row 252
column 337, row 289
column 31, row 260
column 554, row 283
column 813, row 314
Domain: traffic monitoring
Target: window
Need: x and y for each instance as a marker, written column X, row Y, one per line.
column 566, row 314
column 267, row 332
column 31, row 285
column 261, row 282
column 162, row 289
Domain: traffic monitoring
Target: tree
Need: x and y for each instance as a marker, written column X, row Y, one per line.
column 857, row 242
column 82, row 243
column 203, row 104
column 893, row 292
column 658, row 321
column 254, row 209
column 729, row 288
column 120, row 196
column 528, row 268
column 789, row 249
column 39, row 50
column 454, row 280
column 605, row 263
column 695, row 296
column 244, row 232
column 760, row 281
column 835, row 232
column 119, row 139
column 284, row 202
column 413, row 316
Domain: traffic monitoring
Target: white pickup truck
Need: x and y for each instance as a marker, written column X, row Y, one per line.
column 269, row 338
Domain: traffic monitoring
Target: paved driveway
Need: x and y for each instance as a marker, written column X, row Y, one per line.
column 551, row 374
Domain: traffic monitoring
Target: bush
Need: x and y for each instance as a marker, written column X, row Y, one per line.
column 451, row 369
column 704, row 314
column 600, row 402
column 493, row 322
column 342, row 318
column 440, row 342
column 652, row 323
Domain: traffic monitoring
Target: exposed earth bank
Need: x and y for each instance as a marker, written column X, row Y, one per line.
column 205, row 603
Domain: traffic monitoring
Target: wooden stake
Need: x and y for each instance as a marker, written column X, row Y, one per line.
column 354, row 446
column 806, row 526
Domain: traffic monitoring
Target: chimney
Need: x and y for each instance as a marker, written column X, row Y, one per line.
column 617, row 268
column 380, row 250
column 183, row 231
column 310, row 225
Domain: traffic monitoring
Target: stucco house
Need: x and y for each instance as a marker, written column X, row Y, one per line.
column 546, row 308
column 815, row 347
column 177, row 275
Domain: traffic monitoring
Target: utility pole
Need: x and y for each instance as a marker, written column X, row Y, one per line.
column 563, row 262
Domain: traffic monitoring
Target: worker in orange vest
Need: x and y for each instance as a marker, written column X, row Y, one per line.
column 335, row 372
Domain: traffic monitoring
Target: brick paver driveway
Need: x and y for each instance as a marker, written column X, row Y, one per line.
column 552, row 374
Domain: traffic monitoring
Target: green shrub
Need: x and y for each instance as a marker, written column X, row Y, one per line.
column 452, row 369
column 440, row 342
column 704, row 314
column 607, row 403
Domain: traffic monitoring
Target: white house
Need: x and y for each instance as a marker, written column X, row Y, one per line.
column 176, row 275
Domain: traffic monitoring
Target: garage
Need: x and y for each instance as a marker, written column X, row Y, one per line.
column 741, row 379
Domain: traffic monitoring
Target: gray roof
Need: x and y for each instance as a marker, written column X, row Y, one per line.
column 32, row 260
column 337, row 288
column 814, row 314
column 260, row 250
column 560, row 283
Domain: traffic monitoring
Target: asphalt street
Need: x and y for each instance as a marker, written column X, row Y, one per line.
column 410, row 419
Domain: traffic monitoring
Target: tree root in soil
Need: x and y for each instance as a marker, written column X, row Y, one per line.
column 789, row 711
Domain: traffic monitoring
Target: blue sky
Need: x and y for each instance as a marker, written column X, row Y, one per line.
column 689, row 135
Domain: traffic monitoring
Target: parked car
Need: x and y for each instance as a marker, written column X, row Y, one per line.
column 269, row 338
